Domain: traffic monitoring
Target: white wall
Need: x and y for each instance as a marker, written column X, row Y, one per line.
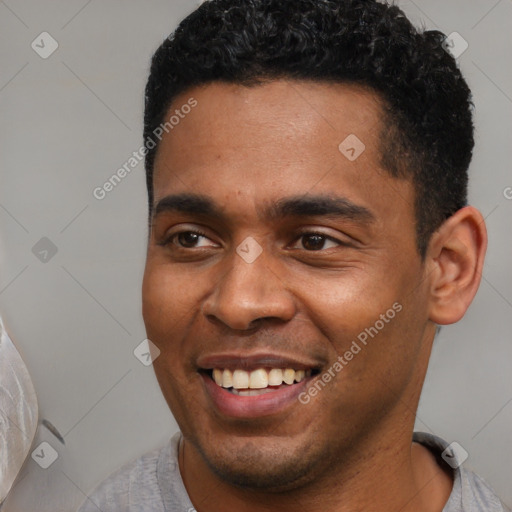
column 70, row 121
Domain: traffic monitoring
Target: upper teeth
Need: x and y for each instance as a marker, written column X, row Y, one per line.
column 257, row 379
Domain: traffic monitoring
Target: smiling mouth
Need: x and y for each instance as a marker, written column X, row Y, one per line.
column 260, row 381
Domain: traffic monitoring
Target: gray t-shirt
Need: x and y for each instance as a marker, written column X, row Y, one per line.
column 153, row 483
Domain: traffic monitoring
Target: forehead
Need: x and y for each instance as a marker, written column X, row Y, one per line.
column 236, row 120
column 282, row 138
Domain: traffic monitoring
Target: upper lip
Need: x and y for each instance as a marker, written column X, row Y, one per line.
column 249, row 362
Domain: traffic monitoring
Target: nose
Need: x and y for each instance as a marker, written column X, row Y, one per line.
column 247, row 293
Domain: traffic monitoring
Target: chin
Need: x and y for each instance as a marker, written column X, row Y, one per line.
column 256, row 465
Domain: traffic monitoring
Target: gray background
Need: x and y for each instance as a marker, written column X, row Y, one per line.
column 70, row 121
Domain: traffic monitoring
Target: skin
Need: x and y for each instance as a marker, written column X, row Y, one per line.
column 350, row 447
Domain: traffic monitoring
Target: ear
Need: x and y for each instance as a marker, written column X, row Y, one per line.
column 455, row 261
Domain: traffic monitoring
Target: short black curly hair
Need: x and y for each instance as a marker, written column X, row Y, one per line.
column 427, row 108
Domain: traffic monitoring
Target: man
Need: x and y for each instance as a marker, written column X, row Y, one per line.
column 307, row 171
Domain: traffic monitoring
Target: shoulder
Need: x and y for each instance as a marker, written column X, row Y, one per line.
column 135, row 486
column 477, row 492
column 470, row 493
column 134, row 481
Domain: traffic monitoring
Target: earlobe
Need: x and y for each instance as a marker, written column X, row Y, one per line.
column 456, row 256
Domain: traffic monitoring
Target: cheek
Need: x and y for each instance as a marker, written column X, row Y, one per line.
column 375, row 328
column 343, row 305
column 166, row 309
column 167, row 299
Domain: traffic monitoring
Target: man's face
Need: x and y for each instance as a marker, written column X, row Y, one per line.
column 259, row 271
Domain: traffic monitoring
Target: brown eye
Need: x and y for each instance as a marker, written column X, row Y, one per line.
column 188, row 239
column 317, row 242
column 313, row 242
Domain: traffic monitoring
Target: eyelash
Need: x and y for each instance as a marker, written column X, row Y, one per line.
column 169, row 240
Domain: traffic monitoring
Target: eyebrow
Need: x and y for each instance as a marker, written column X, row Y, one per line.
column 293, row 206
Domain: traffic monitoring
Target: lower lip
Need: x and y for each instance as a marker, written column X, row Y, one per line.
column 253, row 406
